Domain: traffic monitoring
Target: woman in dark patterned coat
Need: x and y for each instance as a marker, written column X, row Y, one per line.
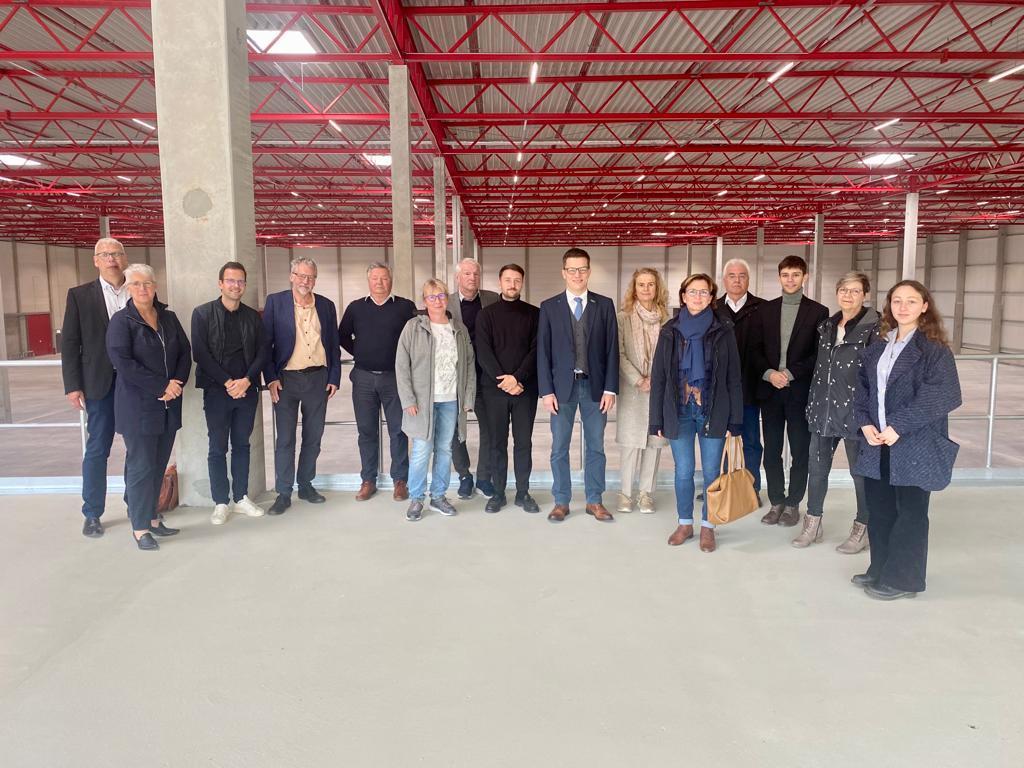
column 906, row 390
column 841, row 339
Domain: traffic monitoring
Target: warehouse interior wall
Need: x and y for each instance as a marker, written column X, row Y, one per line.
column 983, row 270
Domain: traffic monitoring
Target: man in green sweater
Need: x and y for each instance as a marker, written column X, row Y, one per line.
column 784, row 355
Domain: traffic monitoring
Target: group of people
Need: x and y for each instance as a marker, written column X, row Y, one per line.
column 734, row 364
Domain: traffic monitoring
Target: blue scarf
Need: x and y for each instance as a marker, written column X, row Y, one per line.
column 692, row 366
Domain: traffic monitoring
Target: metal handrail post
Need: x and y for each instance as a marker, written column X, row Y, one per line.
column 991, row 411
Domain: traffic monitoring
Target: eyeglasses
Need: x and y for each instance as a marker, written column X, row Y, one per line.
column 850, row 291
column 147, row 284
column 304, row 278
column 232, row 283
column 436, row 296
column 118, row 255
column 576, row 270
column 697, row 292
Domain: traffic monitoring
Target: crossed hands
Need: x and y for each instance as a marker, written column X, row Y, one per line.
column 173, row 390
column 887, row 436
column 508, row 384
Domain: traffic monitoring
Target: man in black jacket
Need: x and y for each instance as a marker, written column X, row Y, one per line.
column 785, row 351
column 88, row 374
column 740, row 306
column 227, row 342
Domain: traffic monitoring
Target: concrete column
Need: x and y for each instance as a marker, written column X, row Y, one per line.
column 875, row 255
column 719, row 258
column 959, row 291
column 910, row 238
column 929, row 248
column 758, row 263
column 998, row 297
column 456, row 232
column 401, row 179
column 470, row 249
column 202, row 103
column 5, row 387
column 818, row 255
column 440, row 225
column 104, row 226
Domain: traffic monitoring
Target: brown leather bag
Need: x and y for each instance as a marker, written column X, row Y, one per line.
column 732, row 495
column 168, row 490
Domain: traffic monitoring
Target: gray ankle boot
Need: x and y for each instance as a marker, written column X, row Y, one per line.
column 811, row 534
column 856, row 542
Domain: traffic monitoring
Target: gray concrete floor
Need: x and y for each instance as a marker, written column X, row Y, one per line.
column 342, row 635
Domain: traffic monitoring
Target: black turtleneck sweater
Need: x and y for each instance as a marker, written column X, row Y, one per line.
column 506, row 342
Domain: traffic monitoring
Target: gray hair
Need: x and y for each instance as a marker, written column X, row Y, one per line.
column 303, row 260
column 474, row 262
column 140, row 269
column 108, row 241
column 855, row 277
column 732, row 262
column 377, row 265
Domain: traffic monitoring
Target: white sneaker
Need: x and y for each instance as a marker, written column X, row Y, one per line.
column 220, row 514
column 248, row 508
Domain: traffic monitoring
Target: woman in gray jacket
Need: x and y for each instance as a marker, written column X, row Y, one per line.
column 841, row 338
column 436, row 378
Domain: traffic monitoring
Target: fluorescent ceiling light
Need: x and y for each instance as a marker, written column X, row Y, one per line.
column 515, row 179
column 605, row 205
column 519, row 157
column 890, row 176
column 669, row 156
column 806, row 232
column 759, row 177
column 124, row 178
column 334, row 125
column 942, row 192
column 1007, row 73
column 17, row 161
column 534, row 70
column 659, row 234
column 144, row 124
column 381, row 161
column 4, row 178
column 641, row 177
column 885, row 158
column 834, row 192
column 295, row 194
column 72, row 194
column 291, row 41
column 781, row 71
column 887, row 124
column 723, row 193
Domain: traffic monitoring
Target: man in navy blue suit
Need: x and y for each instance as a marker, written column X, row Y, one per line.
column 303, row 371
column 578, row 366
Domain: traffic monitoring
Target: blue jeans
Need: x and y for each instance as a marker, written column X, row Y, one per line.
column 752, row 450
column 446, row 416
column 691, row 425
column 593, row 440
column 100, row 425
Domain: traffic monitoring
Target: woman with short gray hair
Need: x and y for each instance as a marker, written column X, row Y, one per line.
column 436, row 376
column 841, row 339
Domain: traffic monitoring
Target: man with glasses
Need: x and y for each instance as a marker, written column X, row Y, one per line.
column 88, row 375
column 465, row 306
column 227, row 343
column 303, row 371
column 369, row 331
column 578, row 366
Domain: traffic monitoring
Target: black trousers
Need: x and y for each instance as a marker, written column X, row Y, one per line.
column 520, row 411
column 229, row 419
column 898, row 530
column 370, row 393
column 145, row 462
column 782, row 415
column 304, row 391
column 460, row 453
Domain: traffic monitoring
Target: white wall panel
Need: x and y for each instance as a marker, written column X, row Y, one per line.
column 944, row 279
column 33, row 286
column 980, row 278
column 7, row 270
column 977, row 333
column 944, row 253
column 981, row 249
column 63, row 276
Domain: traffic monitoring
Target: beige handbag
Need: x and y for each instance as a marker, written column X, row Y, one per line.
column 732, row 495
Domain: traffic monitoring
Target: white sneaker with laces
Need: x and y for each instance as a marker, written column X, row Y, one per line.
column 220, row 514
column 248, row 508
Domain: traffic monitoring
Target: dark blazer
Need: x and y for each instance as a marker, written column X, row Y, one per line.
column 84, row 361
column 145, row 364
column 556, row 353
column 208, row 344
column 279, row 334
column 745, row 328
column 922, row 390
column 455, row 308
column 723, row 400
column 801, row 353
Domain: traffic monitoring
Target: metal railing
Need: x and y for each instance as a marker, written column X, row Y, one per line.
column 990, row 417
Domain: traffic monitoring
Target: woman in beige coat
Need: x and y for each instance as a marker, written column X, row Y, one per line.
column 644, row 310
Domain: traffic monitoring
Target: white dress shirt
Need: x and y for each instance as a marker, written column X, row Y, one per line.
column 115, row 298
column 893, row 348
column 735, row 306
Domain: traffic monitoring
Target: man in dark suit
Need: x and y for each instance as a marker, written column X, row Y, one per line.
column 303, row 371
column 578, row 365
column 464, row 305
column 784, row 354
column 739, row 306
column 88, row 374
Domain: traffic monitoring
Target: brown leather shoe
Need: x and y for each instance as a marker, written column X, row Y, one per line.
column 600, row 513
column 680, row 534
column 774, row 513
column 558, row 514
column 790, row 516
column 366, row 490
column 401, row 490
column 707, row 539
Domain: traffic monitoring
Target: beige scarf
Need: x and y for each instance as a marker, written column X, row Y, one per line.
column 646, row 326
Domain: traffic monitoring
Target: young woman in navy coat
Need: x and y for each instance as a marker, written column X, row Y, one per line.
column 906, row 390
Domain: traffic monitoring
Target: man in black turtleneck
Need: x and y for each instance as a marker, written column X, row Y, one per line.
column 506, row 351
column 784, row 354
